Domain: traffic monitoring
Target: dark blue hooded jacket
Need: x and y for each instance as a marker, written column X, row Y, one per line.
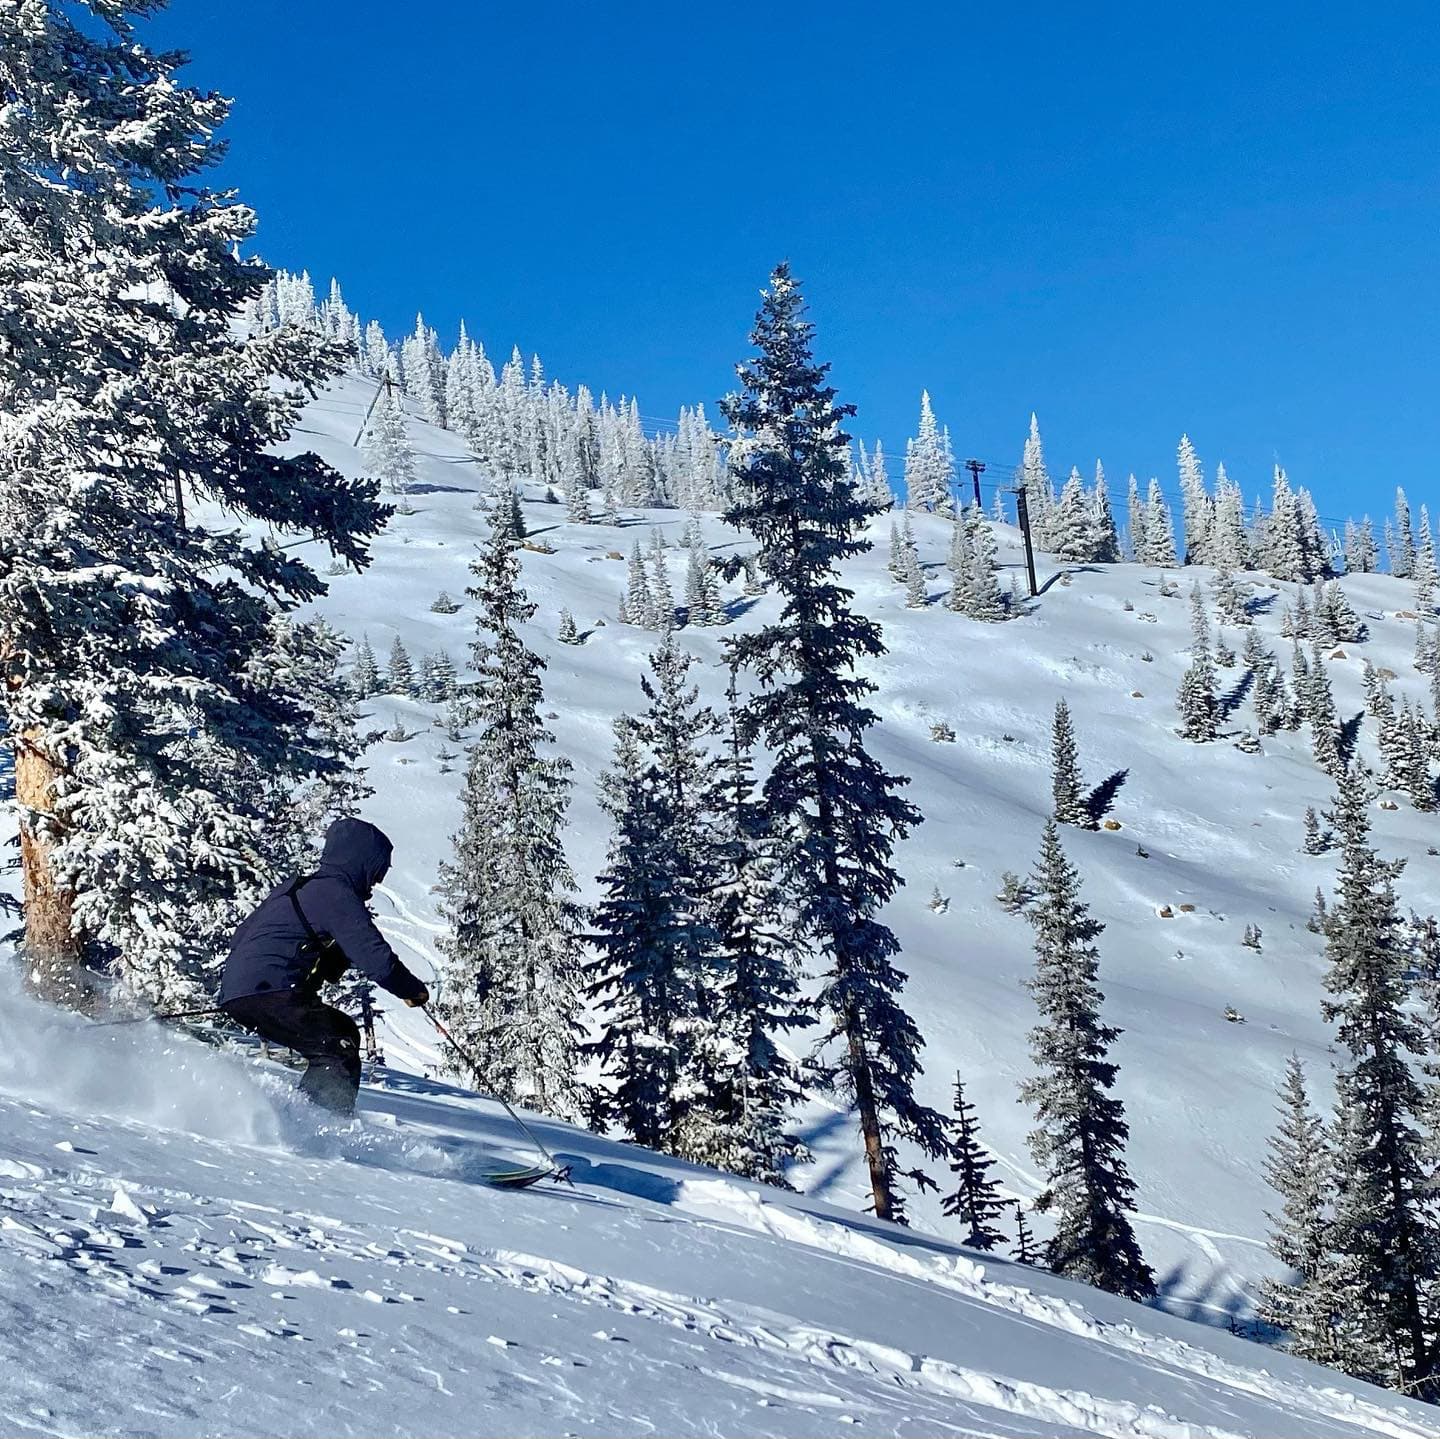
column 266, row 953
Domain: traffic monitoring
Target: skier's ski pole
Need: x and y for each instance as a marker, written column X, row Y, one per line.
column 561, row 1171
column 172, row 1014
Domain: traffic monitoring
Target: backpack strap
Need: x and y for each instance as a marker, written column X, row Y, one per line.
column 326, row 959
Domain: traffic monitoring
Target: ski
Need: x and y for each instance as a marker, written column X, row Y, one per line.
column 521, row 1177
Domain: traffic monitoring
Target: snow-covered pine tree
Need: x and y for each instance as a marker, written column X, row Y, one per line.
column 1106, row 549
column 842, row 811
column 662, row 597
column 975, row 1201
column 386, row 446
column 1400, row 540
column 1071, row 531
column 929, row 470
column 126, row 620
column 1229, row 544
column 1197, row 699
column 400, row 673
column 1230, row 598
column 1315, row 842
column 1135, row 518
column 986, row 601
column 1159, row 529
column 1361, row 554
column 1384, row 1218
column 702, row 590
column 1197, row 508
column 512, row 968
column 958, row 562
column 567, row 633
column 1079, row 1140
column 1065, row 781
column 758, row 999
column 1034, row 479
column 1424, row 566
column 364, row 673
column 659, row 1046
column 1315, row 1301
column 913, row 575
column 639, row 606
column 880, row 495
column 1324, row 722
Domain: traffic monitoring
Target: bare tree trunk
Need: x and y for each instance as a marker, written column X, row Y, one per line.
column 875, row 1156
column 52, row 950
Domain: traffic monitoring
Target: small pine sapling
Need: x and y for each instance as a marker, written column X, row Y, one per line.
column 567, row 633
column 975, row 1201
column 1252, row 937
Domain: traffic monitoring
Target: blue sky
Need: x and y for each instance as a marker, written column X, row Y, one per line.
column 1134, row 219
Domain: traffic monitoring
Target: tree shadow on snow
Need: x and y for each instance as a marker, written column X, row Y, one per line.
column 1216, row 1304
column 1232, row 701
column 1261, row 604
column 1102, row 798
column 1348, row 737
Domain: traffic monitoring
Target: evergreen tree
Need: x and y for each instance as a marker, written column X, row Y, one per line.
column 1024, row 1250
column 658, row 966
column 662, row 597
column 929, row 468
column 702, row 590
column 567, row 633
column 365, row 673
column 1384, row 1219
column 1424, row 566
column 1065, row 772
column 1400, row 541
column 1324, row 723
column 1197, row 509
column 759, row 996
column 1197, row 700
column 386, row 446
column 1081, row 1132
column 1135, row 515
column 1034, row 479
column 1159, row 529
column 1106, row 549
column 1072, row 527
column 1230, row 599
column 1315, row 841
column 841, row 809
column 975, row 1201
column 512, row 968
column 400, row 674
column 1315, row 1302
column 639, row 606
column 158, row 737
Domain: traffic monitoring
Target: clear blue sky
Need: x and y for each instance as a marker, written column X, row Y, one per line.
column 1136, row 219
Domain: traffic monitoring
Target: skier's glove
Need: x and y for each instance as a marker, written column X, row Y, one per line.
column 420, row 1000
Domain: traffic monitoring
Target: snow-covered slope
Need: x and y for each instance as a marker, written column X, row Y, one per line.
column 1221, row 830
column 182, row 1251
column 200, row 1259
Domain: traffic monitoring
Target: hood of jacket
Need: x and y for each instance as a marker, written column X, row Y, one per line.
column 359, row 852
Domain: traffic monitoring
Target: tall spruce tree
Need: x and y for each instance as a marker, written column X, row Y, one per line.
column 671, row 1069
column 841, row 809
column 1079, row 1140
column 1315, row 1301
column 758, row 999
column 136, row 637
column 976, row 1200
column 512, row 966
column 1065, row 781
column 1384, row 1216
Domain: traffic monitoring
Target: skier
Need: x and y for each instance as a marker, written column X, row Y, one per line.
column 307, row 933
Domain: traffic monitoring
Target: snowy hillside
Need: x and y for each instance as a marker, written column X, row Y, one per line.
column 182, row 1252
column 259, row 1276
column 1221, row 830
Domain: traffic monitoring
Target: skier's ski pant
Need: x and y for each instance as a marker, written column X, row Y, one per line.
column 326, row 1037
